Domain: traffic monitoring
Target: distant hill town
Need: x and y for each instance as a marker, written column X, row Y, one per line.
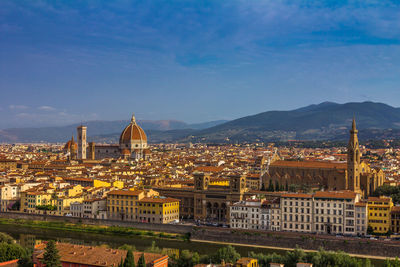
column 325, row 121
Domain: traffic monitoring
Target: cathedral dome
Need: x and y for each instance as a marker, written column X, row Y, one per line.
column 71, row 143
column 133, row 133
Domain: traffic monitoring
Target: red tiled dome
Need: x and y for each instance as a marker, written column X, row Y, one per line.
column 71, row 143
column 132, row 132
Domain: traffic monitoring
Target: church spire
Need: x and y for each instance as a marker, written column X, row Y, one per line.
column 353, row 126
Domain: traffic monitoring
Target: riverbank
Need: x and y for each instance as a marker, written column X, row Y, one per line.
column 107, row 230
column 287, row 249
column 274, row 240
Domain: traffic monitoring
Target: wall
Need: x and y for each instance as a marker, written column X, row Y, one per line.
column 170, row 228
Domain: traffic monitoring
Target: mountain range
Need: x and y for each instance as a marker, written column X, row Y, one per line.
column 325, row 121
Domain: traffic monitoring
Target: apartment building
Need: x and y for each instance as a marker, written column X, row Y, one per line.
column 379, row 217
column 275, row 206
column 246, row 214
column 123, row 204
column 89, row 208
column 331, row 212
column 297, row 212
column 158, row 210
column 361, row 218
column 9, row 194
column 335, row 212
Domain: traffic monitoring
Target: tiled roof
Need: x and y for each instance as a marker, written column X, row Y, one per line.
column 298, row 195
column 309, row 164
column 94, row 256
column 159, row 200
column 335, row 194
column 126, row 192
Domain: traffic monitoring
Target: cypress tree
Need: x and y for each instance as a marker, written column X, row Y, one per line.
column 287, row 186
column 142, row 261
column 270, row 186
column 51, row 258
column 277, row 188
column 129, row 260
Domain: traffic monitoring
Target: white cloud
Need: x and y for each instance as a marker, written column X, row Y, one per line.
column 46, row 108
column 17, row 107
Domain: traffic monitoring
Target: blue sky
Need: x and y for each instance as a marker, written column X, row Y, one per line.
column 70, row 61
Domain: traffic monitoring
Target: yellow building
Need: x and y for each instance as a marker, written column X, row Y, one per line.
column 379, row 213
column 73, row 190
column 31, row 200
column 246, row 262
column 158, row 210
column 63, row 204
column 100, row 183
column 122, row 204
column 118, row 184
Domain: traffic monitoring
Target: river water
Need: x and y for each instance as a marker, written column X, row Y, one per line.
column 28, row 237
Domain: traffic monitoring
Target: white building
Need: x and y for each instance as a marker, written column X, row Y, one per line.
column 296, row 212
column 246, row 214
column 334, row 212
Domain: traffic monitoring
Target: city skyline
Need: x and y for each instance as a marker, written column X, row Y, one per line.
column 68, row 62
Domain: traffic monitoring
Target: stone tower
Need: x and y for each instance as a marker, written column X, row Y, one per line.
column 201, row 181
column 82, row 142
column 237, row 184
column 353, row 160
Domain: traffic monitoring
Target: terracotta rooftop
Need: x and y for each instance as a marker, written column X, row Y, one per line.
column 298, row 195
column 209, row 169
column 159, row 199
column 335, row 194
column 309, row 164
column 94, row 256
column 126, row 192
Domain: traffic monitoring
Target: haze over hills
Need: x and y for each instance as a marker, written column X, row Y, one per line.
column 325, row 121
column 95, row 128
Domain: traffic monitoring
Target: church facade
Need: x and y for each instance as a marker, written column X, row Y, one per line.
column 132, row 145
column 354, row 175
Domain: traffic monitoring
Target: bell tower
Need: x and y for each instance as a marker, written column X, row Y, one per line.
column 353, row 160
column 82, row 145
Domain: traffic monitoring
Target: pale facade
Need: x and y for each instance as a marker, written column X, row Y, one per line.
column 246, row 214
column 296, row 211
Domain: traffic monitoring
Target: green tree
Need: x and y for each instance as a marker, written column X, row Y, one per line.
column 127, row 247
column 11, row 252
column 277, row 187
column 26, row 259
column 228, row 254
column 392, row 263
column 129, row 259
column 6, row 238
column 154, row 248
column 51, row 258
column 142, row 261
column 270, row 186
column 187, row 259
column 287, row 186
